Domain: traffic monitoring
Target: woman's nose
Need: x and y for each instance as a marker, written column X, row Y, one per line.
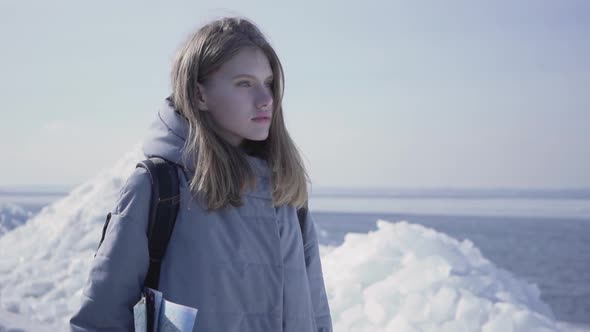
column 264, row 100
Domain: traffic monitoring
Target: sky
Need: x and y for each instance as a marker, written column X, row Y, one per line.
column 400, row 94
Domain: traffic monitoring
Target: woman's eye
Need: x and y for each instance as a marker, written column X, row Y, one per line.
column 247, row 84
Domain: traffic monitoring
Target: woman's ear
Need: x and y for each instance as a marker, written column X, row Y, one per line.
column 202, row 102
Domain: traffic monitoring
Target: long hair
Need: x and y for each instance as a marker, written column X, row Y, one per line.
column 221, row 171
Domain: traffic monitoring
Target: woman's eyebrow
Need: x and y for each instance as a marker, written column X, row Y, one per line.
column 251, row 76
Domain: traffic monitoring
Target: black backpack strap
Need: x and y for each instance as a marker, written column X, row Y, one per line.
column 163, row 210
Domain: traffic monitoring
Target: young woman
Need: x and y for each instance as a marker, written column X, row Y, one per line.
column 237, row 252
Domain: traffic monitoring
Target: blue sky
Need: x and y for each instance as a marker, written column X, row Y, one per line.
column 378, row 94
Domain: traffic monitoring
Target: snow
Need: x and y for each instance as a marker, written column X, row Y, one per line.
column 400, row 277
column 12, row 216
column 405, row 277
column 45, row 262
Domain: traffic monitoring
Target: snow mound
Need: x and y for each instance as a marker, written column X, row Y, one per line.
column 45, row 262
column 406, row 277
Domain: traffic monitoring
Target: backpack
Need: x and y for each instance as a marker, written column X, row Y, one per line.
column 164, row 204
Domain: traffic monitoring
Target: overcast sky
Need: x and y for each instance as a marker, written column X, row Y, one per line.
column 378, row 94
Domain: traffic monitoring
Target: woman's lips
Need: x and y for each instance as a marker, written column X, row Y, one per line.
column 261, row 119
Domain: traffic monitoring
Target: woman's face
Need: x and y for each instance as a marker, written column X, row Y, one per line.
column 239, row 93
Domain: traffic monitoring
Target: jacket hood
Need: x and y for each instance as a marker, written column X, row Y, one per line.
column 167, row 135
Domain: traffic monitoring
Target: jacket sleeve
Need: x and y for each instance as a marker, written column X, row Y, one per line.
column 315, row 276
column 119, row 268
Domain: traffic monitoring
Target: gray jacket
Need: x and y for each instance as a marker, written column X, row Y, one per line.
column 245, row 269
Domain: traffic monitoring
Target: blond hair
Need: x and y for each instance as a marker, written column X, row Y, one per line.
column 221, row 172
